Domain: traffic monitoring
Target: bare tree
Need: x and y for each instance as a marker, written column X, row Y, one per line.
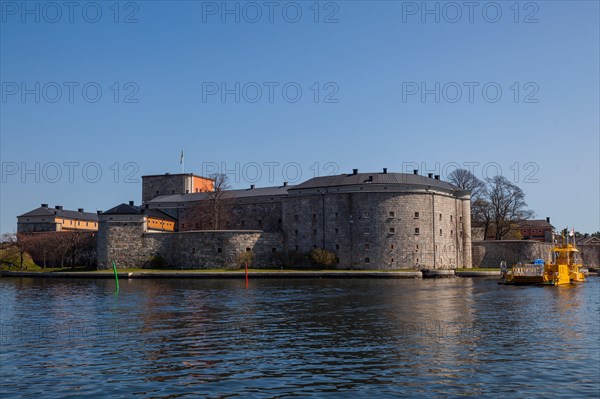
column 504, row 206
column 221, row 185
column 466, row 180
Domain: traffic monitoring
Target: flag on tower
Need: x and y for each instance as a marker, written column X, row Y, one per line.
column 181, row 158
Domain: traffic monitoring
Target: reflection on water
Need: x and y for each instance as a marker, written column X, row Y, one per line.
column 372, row 338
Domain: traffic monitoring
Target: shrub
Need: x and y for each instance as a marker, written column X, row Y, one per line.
column 156, row 262
column 322, row 257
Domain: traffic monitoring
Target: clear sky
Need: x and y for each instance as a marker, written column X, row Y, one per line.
column 95, row 95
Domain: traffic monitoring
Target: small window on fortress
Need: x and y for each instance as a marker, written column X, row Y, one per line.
column 392, row 260
column 367, row 260
column 314, row 247
column 367, row 246
column 315, row 231
column 460, row 219
column 450, row 217
column 157, row 192
column 243, row 223
column 337, row 246
column 440, row 231
column 392, row 230
column 273, row 250
column 392, row 246
column 451, row 233
column 417, row 260
column 392, row 214
column 416, row 230
column 417, row 248
column 193, row 250
column 440, row 216
column 337, row 231
column 260, row 222
column 416, row 215
column 296, row 217
column 461, row 233
column 296, row 233
column 248, row 249
column 172, row 191
column 314, row 216
column 296, row 248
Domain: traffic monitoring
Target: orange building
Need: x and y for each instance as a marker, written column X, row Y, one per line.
column 155, row 219
column 56, row 219
column 168, row 184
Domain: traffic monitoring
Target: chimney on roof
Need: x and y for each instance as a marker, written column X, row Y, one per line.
column 252, row 186
column 430, row 175
column 437, row 177
column 131, row 203
column 285, row 184
column 80, row 210
column 548, row 219
column 59, row 207
column 415, row 171
column 370, row 179
column 44, row 205
column 98, row 212
column 385, row 171
column 354, row 171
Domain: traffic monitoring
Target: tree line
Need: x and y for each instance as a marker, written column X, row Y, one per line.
column 51, row 249
column 497, row 204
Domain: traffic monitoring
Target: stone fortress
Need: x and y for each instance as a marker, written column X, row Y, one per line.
column 376, row 221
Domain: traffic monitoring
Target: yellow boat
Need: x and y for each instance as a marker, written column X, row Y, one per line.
column 565, row 269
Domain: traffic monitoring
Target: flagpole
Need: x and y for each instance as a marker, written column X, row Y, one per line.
column 182, row 162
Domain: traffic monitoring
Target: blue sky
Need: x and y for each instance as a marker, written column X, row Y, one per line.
column 499, row 88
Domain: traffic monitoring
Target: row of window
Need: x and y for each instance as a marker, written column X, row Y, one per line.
column 391, row 230
column 367, row 215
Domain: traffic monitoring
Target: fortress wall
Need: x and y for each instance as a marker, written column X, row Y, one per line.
column 130, row 246
column 590, row 254
column 217, row 249
column 123, row 243
column 250, row 214
column 491, row 253
column 356, row 226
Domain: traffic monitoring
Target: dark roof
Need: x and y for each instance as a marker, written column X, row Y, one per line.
column 229, row 194
column 374, row 178
column 535, row 224
column 63, row 213
column 123, row 209
column 588, row 240
column 127, row 209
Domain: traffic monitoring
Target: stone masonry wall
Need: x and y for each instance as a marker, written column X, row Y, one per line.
column 377, row 230
column 491, row 253
column 130, row 246
column 263, row 213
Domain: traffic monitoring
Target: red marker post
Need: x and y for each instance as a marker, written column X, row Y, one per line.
column 246, row 275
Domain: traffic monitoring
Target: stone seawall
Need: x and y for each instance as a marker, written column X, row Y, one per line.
column 130, row 246
column 491, row 253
